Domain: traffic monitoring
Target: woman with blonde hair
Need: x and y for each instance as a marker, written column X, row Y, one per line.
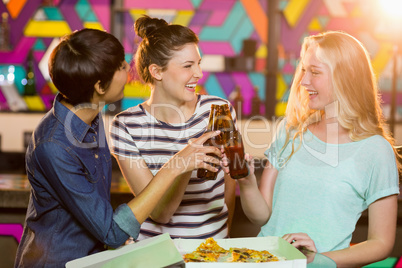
column 331, row 158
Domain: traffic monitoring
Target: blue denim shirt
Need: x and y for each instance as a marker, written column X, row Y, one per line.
column 69, row 213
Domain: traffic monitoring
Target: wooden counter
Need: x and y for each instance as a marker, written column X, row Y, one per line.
column 15, row 191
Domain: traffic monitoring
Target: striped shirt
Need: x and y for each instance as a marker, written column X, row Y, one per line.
column 202, row 213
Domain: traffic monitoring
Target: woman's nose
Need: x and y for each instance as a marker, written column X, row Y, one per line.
column 305, row 80
column 198, row 72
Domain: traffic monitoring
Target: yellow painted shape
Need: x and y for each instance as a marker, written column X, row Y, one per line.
column 136, row 13
column 315, row 25
column 93, row 25
column 136, row 90
column 281, row 87
column 356, row 13
column 183, row 17
column 47, row 28
column 34, row 103
column 52, row 87
column 15, row 7
column 280, row 109
column 262, row 52
column 293, row 11
column 198, row 89
column 382, row 58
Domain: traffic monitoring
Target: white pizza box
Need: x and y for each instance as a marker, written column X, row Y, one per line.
column 275, row 245
column 158, row 251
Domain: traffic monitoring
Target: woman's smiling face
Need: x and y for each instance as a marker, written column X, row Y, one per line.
column 316, row 80
column 182, row 73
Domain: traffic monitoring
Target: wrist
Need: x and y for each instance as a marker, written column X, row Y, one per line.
column 174, row 167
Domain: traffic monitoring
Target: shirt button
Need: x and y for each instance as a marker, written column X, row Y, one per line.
column 96, row 156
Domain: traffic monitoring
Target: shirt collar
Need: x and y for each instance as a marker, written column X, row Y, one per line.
column 70, row 121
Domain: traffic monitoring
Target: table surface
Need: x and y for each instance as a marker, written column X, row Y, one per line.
column 15, row 191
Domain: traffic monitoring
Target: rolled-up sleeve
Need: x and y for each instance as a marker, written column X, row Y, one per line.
column 83, row 194
column 125, row 219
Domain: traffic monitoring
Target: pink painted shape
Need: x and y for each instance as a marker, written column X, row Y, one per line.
column 160, row 4
column 323, row 11
column 196, row 29
column 127, row 44
column 19, row 54
column 217, row 17
column 11, row 229
column 38, row 55
column 242, row 79
column 102, row 11
column 217, row 5
column 204, row 78
column 398, row 264
column 386, row 98
column 288, row 68
column 216, row 48
column 346, row 24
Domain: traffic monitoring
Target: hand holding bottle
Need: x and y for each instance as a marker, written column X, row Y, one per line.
column 196, row 155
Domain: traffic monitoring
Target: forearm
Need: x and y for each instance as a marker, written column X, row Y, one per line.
column 230, row 199
column 171, row 200
column 145, row 202
column 254, row 205
column 361, row 254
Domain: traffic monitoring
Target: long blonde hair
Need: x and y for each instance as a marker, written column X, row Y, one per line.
column 355, row 89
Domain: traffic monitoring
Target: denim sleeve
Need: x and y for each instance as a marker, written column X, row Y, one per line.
column 61, row 172
column 126, row 220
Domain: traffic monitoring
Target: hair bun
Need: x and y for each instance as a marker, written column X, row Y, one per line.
column 145, row 25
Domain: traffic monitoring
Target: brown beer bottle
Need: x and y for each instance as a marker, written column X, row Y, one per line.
column 213, row 125
column 234, row 151
column 233, row 145
column 226, row 124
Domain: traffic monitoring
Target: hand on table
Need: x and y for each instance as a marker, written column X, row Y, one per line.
column 300, row 241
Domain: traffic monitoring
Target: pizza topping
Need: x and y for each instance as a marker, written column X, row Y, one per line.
column 210, row 251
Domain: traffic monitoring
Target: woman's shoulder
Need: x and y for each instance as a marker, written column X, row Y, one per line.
column 376, row 145
column 131, row 113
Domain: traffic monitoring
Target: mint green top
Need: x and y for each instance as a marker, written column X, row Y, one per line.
column 323, row 188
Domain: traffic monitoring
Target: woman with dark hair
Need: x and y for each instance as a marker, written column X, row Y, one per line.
column 144, row 137
column 68, row 162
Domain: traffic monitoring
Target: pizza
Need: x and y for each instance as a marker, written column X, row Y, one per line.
column 210, row 251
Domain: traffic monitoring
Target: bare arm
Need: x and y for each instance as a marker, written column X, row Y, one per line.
column 380, row 239
column 230, row 198
column 257, row 201
column 138, row 176
column 150, row 190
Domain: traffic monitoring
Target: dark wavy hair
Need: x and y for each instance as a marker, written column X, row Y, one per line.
column 83, row 58
column 159, row 41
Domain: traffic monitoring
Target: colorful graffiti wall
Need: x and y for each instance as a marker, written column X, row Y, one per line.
column 222, row 26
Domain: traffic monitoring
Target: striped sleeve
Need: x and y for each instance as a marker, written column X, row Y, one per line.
column 121, row 139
